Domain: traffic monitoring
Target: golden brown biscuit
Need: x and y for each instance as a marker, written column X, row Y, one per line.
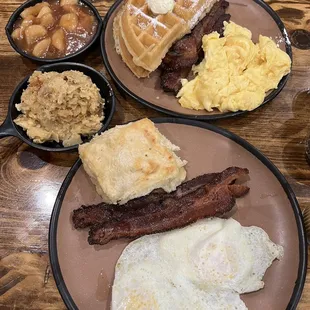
column 130, row 161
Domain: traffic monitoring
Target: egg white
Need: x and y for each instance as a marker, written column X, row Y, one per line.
column 203, row 266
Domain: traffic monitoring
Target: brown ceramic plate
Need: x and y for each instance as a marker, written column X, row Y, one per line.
column 256, row 15
column 84, row 273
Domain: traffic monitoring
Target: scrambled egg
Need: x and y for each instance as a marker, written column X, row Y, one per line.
column 235, row 73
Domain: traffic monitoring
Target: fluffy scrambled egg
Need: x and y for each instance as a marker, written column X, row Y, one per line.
column 235, row 73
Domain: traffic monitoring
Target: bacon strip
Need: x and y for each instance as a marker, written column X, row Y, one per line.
column 87, row 216
column 186, row 52
column 174, row 214
column 205, row 196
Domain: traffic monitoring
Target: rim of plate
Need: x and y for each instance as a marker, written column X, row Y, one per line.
column 268, row 98
column 303, row 251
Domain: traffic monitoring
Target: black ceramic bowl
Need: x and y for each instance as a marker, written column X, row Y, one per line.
column 9, row 128
column 16, row 14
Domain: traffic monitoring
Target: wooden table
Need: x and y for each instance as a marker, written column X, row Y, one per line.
column 30, row 179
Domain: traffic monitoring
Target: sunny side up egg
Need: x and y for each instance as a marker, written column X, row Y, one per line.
column 203, row 266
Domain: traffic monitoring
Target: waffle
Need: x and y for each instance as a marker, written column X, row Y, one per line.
column 122, row 50
column 143, row 39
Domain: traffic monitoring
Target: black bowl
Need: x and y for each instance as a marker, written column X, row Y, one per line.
column 16, row 15
column 9, row 128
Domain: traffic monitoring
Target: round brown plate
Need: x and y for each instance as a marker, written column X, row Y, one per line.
column 84, row 273
column 256, row 15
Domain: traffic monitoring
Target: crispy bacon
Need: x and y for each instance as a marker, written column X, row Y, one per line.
column 87, row 216
column 175, row 213
column 205, row 196
column 187, row 51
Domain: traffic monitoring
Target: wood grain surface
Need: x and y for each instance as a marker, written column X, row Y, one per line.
column 30, row 179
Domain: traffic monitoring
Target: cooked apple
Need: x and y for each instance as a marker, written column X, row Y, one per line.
column 65, row 2
column 34, row 32
column 44, row 10
column 47, row 20
column 69, row 21
column 72, row 8
column 17, row 34
column 28, row 20
column 33, row 10
column 59, row 40
column 41, row 48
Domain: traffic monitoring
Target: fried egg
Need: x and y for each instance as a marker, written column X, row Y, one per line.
column 203, row 266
